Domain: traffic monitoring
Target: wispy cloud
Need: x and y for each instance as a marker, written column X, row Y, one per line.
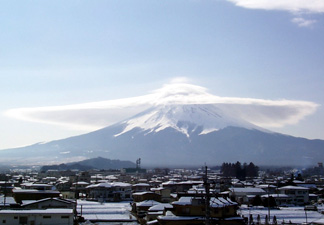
column 95, row 115
column 301, row 22
column 296, row 7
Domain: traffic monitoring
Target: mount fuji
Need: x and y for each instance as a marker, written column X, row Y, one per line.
column 177, row 135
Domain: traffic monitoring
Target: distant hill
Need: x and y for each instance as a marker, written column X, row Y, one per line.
column 106, row 164
column 94, row 163
column 61, row 167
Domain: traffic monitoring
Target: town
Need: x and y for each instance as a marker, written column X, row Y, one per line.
column 233, row 193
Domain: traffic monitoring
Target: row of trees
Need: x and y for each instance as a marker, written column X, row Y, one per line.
column 239, row 171
column 266, row 202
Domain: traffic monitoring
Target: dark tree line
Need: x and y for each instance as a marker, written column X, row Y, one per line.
column 239, row 171
column 266, row 202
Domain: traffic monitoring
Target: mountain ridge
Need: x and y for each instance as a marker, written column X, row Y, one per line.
column 177, row 135
column 99, row 163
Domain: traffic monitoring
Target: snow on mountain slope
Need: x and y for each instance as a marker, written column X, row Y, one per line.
column 176, row 135
column 209, row 118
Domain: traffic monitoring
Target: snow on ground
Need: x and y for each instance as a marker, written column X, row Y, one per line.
column 293, row 214
column 121, row 211
column 105, row 211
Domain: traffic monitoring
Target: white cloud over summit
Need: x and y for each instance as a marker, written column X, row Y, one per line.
column 95, row 115
column 296, row 7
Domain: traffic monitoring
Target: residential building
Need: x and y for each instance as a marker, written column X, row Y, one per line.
column 192, row 210
column 49, row 203
column 165, row 193
column 244, row 195
column 141, row 187
column 298, row 195
column 114, row 192
column 33, row 194
column 37, row 216
column 146, row 195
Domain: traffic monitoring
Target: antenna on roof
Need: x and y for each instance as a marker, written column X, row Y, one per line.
column 138, row 163
column 207, row 196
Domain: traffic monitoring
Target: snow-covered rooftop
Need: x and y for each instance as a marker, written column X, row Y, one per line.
column 141, row 185
column 214, row 202
column 293, row 188
column 37, row 211
column 147, row 203
column 109, row 185
column 160, row 207
column 247, row 190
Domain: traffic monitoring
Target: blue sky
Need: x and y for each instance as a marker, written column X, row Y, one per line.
column 56, row 53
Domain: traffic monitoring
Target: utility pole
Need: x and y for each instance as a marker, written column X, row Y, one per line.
column 5, row 193
column 76, row 195
column 207, row 197
column 138, row 163
column 268, row 203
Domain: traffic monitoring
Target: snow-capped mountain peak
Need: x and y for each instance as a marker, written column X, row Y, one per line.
column 184, row 118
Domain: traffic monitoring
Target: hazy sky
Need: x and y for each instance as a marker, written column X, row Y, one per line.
column 56, row 53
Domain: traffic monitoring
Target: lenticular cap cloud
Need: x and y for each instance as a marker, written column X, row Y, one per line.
column 95, row 115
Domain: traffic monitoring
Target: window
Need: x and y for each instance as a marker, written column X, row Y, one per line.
column 47, row 217
column 15, row 217
column 4, row 221
column 186, row 210
column 64, row 217
column 23, row 220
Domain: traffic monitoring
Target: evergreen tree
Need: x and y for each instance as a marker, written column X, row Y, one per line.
column 256, row 200
column 239, row 171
